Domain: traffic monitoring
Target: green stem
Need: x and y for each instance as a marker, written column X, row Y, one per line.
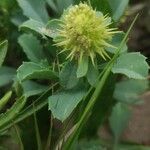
column 18, row 137
column 115, row 147
column 38, row 138
column 48, row 144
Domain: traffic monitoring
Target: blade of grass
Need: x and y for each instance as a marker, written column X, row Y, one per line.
column 39, row 104
column 18, row 137
column 38, row 138
column 96, row 93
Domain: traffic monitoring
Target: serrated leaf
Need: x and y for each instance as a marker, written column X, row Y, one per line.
column 30, row 70
column 31, row 88
column 5, row 99
column 63, row 103
column 129, row 91
column 34, row 9
column 32, row 47
column 33, row 25
column 10, row 114
column 52, row 27
column 6, row 75
column 133, row 65
column 82, row 67
column 3, row 51
column 119, row 119
column 68, row 77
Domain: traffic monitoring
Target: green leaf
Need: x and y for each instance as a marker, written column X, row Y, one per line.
column 38, row 104
column 12, row 112
column 34, row 9
column 6, row 75
column 100, row 5
column 92, row 74
column 118, row 7
column 68, row 77
column 61, row 5
column 119, row 119
column 52, row 5
column 3, row 51
column 32, row 47
column 30, row 70
column 129, row 91
column 33, row 25
column 132, row 65
column 31, row 88
column 116, row 40
column 82, row 67
column 63, row 103
column 52, row 27
column 5, row 99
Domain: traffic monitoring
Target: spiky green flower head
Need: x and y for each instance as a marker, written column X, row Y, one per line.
column 84, row 32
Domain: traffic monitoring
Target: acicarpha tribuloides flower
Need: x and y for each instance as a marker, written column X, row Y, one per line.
column 84, row 32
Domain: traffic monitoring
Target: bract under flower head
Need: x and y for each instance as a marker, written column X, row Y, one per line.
column 84, row 32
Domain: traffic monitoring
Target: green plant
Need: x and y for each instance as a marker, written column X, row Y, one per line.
column 66, row 69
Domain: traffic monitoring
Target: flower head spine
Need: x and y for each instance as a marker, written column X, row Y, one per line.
column 84, row 32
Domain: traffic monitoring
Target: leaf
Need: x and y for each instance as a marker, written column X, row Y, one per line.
column 3, row 51
column 61, row 5
column 92, row 74
column 82, row 67
column 116, row 40
column 33, row 25
column 119, row 119
column 38, row 103
column 18, row 18
column 52, row 27
column 129, row 91
column 32, row 47
column 5, row 99
column 31, row 88
column 6, row 75
column 100, row 5
column 68, row 77
column 132, row 65
column 118, row 7
column 52, row 5
column 34, row 9
column 63, row 103
column 30, row 70
column 12, row 112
